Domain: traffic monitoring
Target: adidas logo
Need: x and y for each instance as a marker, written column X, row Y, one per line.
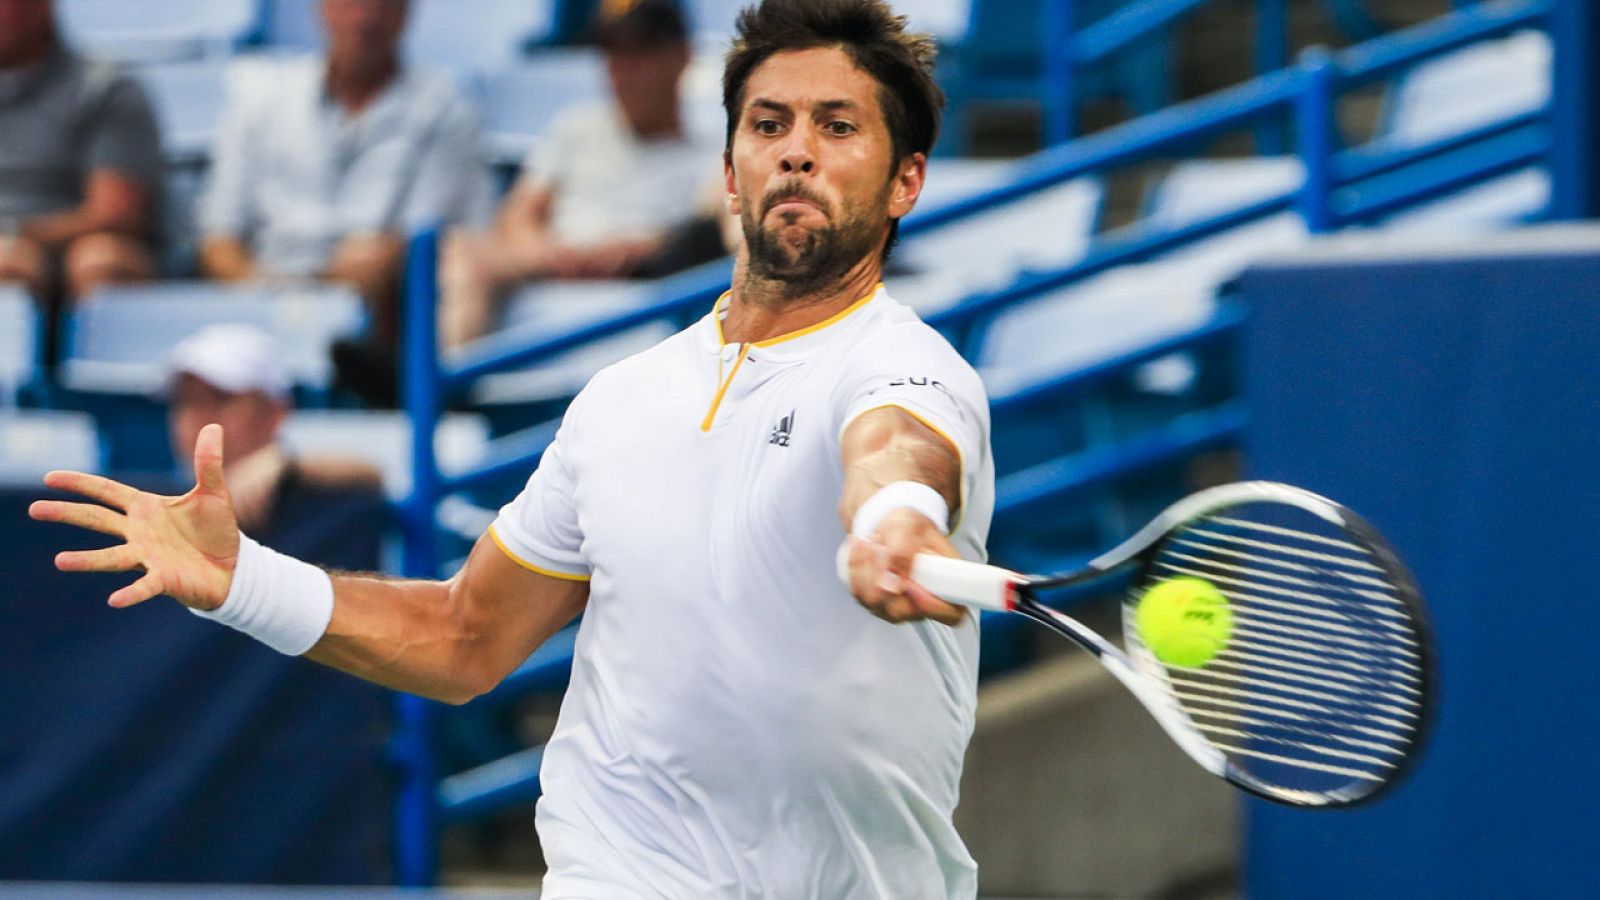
column 780, row 431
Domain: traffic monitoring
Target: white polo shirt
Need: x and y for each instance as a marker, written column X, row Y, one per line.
column 737, row 725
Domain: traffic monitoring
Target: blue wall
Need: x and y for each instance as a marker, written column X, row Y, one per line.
column 1456, row 403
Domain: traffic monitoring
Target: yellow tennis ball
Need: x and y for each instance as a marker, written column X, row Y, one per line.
column 1184, row 621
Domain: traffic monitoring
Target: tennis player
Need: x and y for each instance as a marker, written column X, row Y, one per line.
column 737, row 725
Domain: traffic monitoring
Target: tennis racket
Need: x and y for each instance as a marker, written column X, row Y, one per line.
column 1321, row 694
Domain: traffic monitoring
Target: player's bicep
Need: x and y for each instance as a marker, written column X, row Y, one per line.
column 513, row 607
column 890, row 443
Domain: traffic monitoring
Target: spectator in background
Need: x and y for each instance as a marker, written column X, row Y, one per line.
column 322, row 166
column 231, row 374
column 80, row 163
column 612, row 192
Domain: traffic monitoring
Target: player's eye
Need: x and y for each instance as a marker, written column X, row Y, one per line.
column 768, row 127
column 839, row 128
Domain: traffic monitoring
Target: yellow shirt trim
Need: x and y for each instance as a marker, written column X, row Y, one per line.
column 722, row 389
column 716, row 309
column 550, row 573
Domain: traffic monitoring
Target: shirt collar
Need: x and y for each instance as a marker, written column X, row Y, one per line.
column 794, row 344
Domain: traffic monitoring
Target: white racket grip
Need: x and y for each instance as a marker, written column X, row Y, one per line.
column 955, row 580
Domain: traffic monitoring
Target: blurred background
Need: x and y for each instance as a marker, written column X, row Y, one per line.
column 1340, row 243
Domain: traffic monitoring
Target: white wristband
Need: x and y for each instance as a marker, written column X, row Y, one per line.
column 276, row 599
column 900, row 495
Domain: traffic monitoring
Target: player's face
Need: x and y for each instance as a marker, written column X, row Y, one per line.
column 811, row 168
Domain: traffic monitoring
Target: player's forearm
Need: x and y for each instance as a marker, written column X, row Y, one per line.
column 413, row 636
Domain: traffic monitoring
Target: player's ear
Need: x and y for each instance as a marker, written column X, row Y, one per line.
column 910, row 174
column 728, row 186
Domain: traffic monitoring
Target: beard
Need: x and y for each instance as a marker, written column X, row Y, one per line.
column 818, row 258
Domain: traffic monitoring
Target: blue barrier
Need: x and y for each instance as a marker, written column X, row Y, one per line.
column 1342, row 186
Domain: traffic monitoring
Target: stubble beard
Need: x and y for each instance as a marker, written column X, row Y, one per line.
column 820, row 259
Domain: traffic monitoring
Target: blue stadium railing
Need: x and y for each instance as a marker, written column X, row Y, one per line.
column 1343, row 186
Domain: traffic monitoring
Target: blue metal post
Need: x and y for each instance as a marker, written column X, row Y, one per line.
column 416, row 834
column 1272, row 54
column 1318, row 135
column 1059, row 100
column 1575, row 33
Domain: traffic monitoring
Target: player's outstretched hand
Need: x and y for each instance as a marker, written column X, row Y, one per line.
column 880, row 570
column 186, row 546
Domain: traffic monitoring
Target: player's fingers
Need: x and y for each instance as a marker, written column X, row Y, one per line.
column 83, row 515
column 929, row 606
column 895, row 609
column 138, row 592
column 208, row 460
column 111, row 493
column 120, row 558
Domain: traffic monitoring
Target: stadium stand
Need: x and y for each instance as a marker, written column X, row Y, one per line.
column 19, row 342
column 383, row 438
column 189, row 96
column 34, row 441
column 169, row 30
column 521, row 99
column 118, row 338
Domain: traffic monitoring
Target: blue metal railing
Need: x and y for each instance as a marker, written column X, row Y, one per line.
column 1342, row 186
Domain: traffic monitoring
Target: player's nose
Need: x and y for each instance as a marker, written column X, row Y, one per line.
column 799, row 156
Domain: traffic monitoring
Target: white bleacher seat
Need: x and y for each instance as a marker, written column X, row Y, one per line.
column 32, row 442
column 1049, row 229
column 521, row 100
column 1126, row 308
column 460, row 35
column 120, row 336
column 19, row 338
column 189, row 97
column 476, row 36
column 1472, row 87
column 555, row 307
column 383, row 439
column 145, row 30
column 1468, row 89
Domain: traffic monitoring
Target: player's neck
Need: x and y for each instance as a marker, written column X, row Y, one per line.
column 762, row 308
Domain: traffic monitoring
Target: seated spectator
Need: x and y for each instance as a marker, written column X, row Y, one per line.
column 231, row 374
column 80, row 163
column 612, row 192
column 323, row 165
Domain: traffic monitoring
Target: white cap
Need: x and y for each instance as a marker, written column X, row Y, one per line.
column 233, row 357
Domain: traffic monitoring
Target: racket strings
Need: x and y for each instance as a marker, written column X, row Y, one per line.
column 1321, row 683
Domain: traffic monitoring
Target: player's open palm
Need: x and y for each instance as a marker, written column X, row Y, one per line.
column 186, row 546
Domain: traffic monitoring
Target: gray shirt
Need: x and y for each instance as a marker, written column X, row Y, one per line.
column 293, row 172
column 64, row 117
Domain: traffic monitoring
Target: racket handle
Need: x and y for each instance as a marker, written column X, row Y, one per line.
column 955, row 580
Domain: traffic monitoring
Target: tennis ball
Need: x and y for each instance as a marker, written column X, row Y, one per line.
column 1184, row 621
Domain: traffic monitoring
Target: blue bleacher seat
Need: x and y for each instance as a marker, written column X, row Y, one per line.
column 522, row 99
column 1468, row 89
column 118, row 338
column 189, row 97
column 32, row 442
column 554, row 307
column 19, row 341
column 169, row 29
column 383, row 439
column 1049, row 229
column 945, row 19
column 291, row 26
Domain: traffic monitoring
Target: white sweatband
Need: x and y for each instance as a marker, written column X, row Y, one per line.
column 900, row 495
column 276, row 599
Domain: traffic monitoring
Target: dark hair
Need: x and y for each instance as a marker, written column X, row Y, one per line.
column 874, row 38
column 639, row 24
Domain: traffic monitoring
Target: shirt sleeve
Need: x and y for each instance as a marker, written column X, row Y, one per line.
column 224, row 209
column 913, row 368
column 539, row 529
column 124, row 137
column 452, row 182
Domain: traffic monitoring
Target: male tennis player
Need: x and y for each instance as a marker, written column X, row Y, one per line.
column 736, row 725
